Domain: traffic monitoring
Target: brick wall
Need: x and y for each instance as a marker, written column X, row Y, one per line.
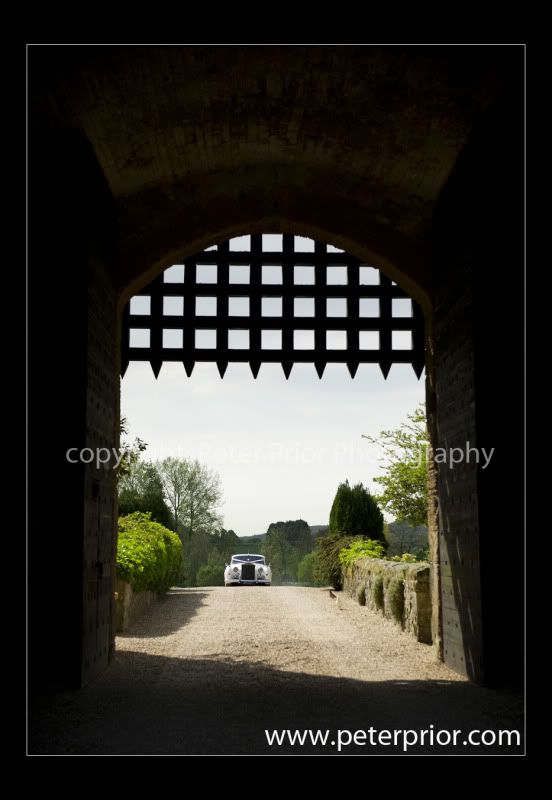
column 100, row 520
column 458, row 516
column 73, row 403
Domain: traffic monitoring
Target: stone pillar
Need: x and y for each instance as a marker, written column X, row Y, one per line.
column 73, row 403
column 478, row 384
column 433, row 495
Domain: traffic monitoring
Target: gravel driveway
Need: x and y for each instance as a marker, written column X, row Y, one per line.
column 207, row 671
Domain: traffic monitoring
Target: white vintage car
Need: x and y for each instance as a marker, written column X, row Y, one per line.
column 247, row 570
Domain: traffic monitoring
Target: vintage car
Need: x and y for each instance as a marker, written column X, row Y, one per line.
column 247, row 570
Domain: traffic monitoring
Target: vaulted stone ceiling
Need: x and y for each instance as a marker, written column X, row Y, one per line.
column 212, row 137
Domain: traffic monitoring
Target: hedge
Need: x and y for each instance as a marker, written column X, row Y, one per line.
column 149, row 556
column 210, row 575
column 361, row 548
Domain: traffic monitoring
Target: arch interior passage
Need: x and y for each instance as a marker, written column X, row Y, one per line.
column 273, row 298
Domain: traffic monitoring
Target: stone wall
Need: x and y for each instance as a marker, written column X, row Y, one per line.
column 130, row 605
column 416, row 613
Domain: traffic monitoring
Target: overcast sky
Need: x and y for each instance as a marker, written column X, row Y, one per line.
column 281, row 447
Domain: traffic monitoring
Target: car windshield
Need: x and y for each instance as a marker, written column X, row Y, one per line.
column 240, row 559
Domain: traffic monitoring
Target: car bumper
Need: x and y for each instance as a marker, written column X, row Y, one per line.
column 247, row 583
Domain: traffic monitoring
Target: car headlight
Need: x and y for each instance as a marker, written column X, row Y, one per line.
column 236, row 570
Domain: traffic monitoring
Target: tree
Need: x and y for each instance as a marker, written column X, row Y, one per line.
column 197, row 552
column 404, row 458
column 296, row 532
column 327, row 566
column 130, row 451
column 141, row 489
column 202, row 495
column 282, row 556
column 355, row 512
column 226, row 543
column 173, row 472
column 193, row 493
column 306, row 569
column 285, row 545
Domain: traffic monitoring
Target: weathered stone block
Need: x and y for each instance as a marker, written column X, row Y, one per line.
column 401, row 591
column 130, row 604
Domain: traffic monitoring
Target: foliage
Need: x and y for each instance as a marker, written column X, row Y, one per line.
column 198, row 550
column 284, row 547
column 407, row 558
column 296, row 532
column 377, row 592
column 210, row 575
column 225, row 543
column 423, row 555
column 361, row 548
column 149, row 556
column 355, row 513
column 361, row 596
column 404, row 459
column 405, row 538
column 306, row 569
column 282, row 556
column 395, row 596
column 140, row 489
column 327, row 565
column 130, row 452
column 193, row 493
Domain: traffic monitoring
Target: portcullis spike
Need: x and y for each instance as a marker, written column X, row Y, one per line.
column 418, row 368
column 156, row 364
column 352, row 366
column 320, row 367
column 222, row 367
column 385, row 366
column 287, row 366
column 189, row 367
column 255, row 367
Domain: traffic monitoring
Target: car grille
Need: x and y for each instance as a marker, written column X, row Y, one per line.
column 248, row 572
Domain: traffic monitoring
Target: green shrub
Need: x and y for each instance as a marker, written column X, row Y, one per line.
column 361, row 596
column 361, row 548
column 395, row 595
column 210, row 575
column 306, row 569
column 327, row 568
column 407, row 558
column 423, row 554
column 377, row 592
column 149, row 556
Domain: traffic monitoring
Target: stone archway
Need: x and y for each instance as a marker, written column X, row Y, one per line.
column 128, row 168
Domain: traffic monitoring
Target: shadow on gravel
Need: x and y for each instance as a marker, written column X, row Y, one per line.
column 147, row 704
column 168, row 614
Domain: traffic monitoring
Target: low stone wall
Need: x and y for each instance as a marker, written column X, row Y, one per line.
column 130, row 604
column 404, row 596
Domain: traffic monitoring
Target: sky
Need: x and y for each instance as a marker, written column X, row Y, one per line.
column 281, row 447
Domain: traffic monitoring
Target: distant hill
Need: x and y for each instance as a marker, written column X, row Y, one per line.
column 256, row 539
